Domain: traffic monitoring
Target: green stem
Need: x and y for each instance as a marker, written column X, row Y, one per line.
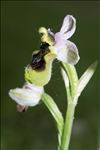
column 66, row 135
column 71, row 99
column 68, row 127
column 73, row 93
column 73, row 78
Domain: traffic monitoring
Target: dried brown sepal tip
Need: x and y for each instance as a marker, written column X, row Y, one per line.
column 21, row 108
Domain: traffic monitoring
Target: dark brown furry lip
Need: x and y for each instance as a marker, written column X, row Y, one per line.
column 38, row 62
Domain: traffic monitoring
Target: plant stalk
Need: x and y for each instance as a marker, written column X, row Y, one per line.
column 68, row 126
column 72, row 101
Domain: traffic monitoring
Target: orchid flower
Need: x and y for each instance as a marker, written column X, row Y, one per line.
column 65, row 50
column 37, row 74
column 28, row 95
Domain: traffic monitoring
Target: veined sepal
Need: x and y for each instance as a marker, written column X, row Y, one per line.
column 28, row 95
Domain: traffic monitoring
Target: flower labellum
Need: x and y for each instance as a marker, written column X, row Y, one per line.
column 38, row 72
column 28, row 95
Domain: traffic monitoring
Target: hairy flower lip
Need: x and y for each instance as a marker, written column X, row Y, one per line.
column 28, row 95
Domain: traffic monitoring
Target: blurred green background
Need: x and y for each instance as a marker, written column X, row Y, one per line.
column 35, row 129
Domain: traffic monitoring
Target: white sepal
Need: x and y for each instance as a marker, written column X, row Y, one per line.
column 72, row 53
column 28, row 95
column 68, row 26
column 67, row 53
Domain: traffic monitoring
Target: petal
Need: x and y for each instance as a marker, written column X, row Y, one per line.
column 46, row 35
column 50, row 32
column 68, row 26
column 29, row 95
column 68, row 53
